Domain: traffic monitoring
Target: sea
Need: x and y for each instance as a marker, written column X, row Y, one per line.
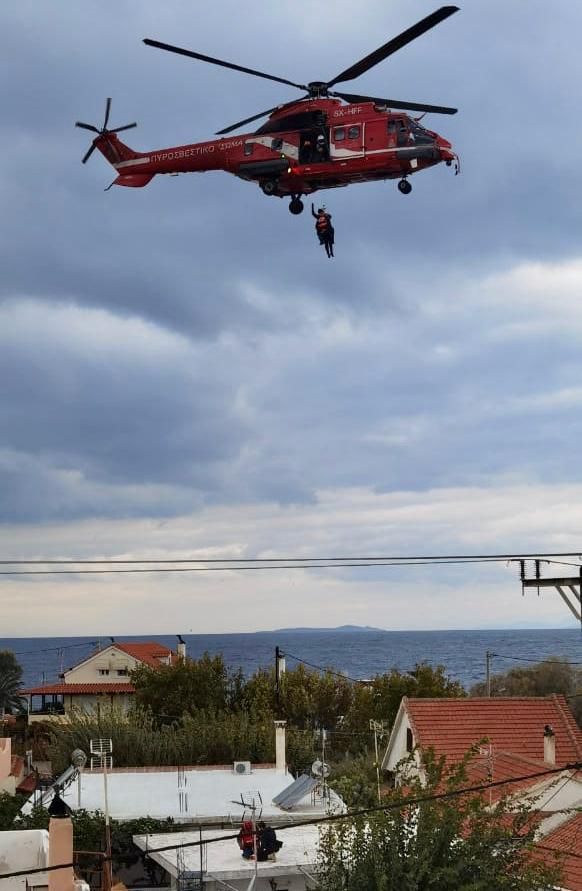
column 358, row 654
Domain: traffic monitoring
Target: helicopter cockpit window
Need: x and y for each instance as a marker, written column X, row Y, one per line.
column 420, row 135
column 353, row 132
column 339, row 134
column 248, row 148
column 277, row 144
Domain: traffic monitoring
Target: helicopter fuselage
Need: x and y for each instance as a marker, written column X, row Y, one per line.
column 315, row 144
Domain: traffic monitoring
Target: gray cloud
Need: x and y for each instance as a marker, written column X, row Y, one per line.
column 188, row 343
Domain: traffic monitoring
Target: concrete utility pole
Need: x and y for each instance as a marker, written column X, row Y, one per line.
column 378, row 728
column 279, row 671
column 488, row 657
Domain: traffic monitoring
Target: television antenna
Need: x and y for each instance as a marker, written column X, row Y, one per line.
column 102, row 759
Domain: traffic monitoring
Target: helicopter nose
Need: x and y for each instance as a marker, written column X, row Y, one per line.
column 445, row 149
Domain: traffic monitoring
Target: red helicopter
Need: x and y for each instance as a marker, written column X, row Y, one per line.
column 314, row 142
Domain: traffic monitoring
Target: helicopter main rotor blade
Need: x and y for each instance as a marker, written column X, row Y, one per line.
column 107, row 110
column 394, row 45
column 89, row 153
column 125, row 127
column 213, row 61
column 397, row 103
column 256, row 117
column 87, row 127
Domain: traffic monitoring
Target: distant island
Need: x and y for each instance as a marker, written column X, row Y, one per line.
column 340, row 630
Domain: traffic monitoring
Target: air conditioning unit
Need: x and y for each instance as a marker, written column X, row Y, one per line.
column 242, row 768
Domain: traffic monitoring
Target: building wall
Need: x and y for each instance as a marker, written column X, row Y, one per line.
column 108, row 666
column 91, row 704
column 561, row 793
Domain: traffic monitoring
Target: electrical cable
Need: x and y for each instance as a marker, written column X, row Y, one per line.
column 424, row 558
column 254, row 563
column 537, row 661
column 389, row 806
column 86, row 643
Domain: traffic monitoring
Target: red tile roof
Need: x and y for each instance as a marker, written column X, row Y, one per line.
column 512, row 725
column 566, row 840
column 149, row 652
column 74, row 689
column 28, row 784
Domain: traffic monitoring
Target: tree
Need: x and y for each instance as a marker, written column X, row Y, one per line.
column 169, row 691
column 10, row 683
column 380, row 698
column 553, row 675
column 446, row 844
column 9, row 807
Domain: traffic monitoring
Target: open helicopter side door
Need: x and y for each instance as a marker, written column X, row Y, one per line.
column 347, row 141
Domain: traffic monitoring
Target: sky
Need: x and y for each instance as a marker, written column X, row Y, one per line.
column 184, row 373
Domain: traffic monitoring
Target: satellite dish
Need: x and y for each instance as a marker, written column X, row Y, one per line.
column 320, row 769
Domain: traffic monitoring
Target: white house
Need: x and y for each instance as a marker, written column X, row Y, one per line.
column 209, row 795
column 221, row 865
column 514, row 737
column 32, row 851
column 100, row 680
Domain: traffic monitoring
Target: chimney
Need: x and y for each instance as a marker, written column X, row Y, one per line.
column 280, row 758
column 181, row 648
column 5, row 758
column 549, row 745
column 60, row 851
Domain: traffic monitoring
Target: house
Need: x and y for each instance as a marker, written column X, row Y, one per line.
column 15, row 773
column 220, row 865
column 34, row 850
column 515, row 737
column 101, row 680
column 562, row 835
column 206, row 795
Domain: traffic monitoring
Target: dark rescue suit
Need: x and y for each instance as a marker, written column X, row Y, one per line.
column 324, row 229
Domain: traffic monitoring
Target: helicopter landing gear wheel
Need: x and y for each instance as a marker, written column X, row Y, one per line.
column 405, row 187
column 269, row 186
column 296, row 205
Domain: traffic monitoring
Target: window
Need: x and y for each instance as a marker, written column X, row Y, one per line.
column 409, row 740
column 248, row 149
column 103, row 671
column 122, row 672
column 353, row 132
column 339, row 134
column 420, row 135
column 392, row 126
column 277, row 144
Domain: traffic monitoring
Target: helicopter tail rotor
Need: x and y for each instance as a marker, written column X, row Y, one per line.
column 102, row 131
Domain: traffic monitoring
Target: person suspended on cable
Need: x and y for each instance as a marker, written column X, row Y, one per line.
column 324, row 229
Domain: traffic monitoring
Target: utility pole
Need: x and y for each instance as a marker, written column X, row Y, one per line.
column 279, row 671
column 488, row 657
column 378, row 728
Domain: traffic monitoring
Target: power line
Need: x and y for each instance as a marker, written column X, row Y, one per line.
column 337, row 674
column 537, row 661
column 431, row 558
column 86, row 643
column 239, row 564
column 389, row 806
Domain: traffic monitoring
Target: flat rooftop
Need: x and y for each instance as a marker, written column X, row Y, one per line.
column 23, row 849
column 223, row 859
column 212, row 794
